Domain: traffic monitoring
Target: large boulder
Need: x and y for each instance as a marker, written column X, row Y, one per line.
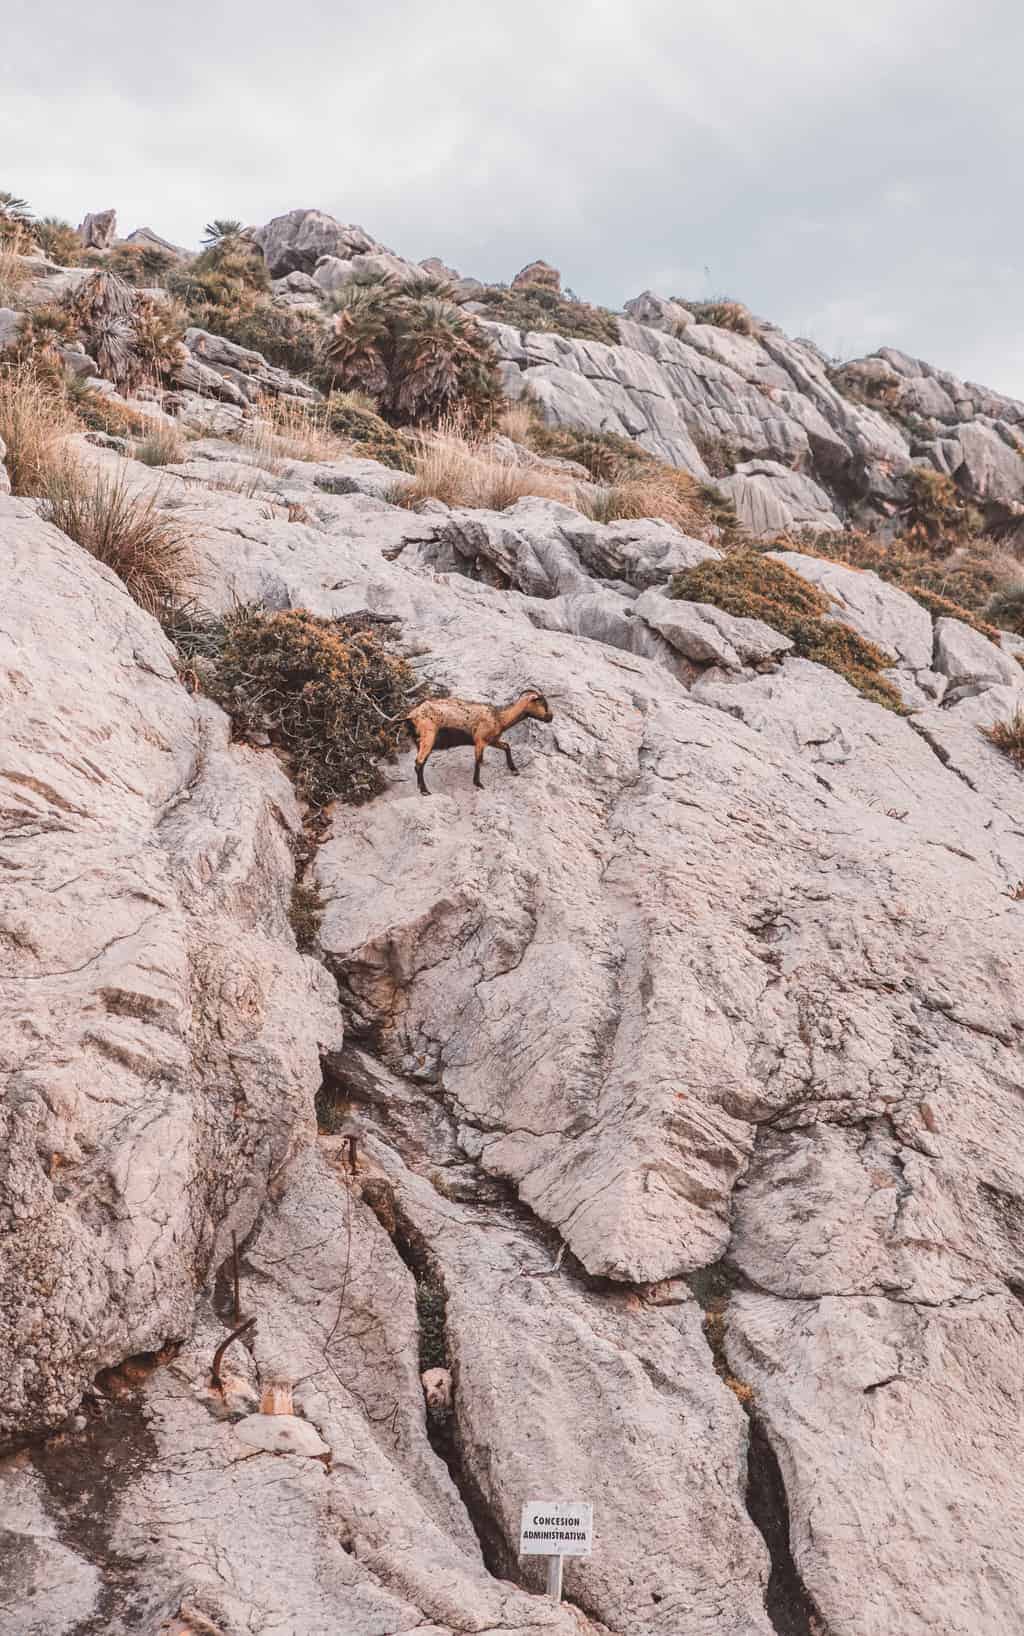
column 770, row 499
column 964, row 655
column 539, row 272
column 708, row 635
column 99, row 230
column 295, row 242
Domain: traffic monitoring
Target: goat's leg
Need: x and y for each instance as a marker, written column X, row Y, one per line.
column 419, row 776
column 500, row 744
column 479, row 748
column 424, row 744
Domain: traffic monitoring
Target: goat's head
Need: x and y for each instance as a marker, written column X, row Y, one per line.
column 536, row 704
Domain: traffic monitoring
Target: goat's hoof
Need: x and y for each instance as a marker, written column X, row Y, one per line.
column 514, row 771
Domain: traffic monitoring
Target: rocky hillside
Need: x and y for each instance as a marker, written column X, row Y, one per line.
column 645, row 1129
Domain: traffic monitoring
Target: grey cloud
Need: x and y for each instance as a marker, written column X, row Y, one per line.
column 849, row 176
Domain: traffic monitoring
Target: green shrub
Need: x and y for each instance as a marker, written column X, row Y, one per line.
column 417, row 355
column 333, row 696
column 753, row 586
column 16, row 224
column 348, row 417
column 230, row 274
column 539, row 308
column 936, row 512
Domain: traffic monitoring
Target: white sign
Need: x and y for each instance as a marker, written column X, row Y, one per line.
column 556, row 1528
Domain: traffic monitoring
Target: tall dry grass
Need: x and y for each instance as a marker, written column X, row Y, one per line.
column 13, row 276
column 144, row 547
column 34, row 422
column 286, row 429
column 163, row 446
column 460, row 471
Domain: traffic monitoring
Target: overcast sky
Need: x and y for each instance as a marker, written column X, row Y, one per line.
column 851, row 172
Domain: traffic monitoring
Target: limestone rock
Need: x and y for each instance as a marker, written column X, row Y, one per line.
column 296, row 241
column 539, row 272
column 965, row 655
column 887, row 616
column 246, row 374
column 656, row 313
column 770, row 499
column 99, row 230
column 707, row 634
column 280, row 1434
column 146, row 237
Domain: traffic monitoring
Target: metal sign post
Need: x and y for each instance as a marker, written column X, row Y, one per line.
column 556, row 1529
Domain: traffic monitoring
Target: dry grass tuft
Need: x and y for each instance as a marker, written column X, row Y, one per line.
column 14, row 275
column 459, row 471
column 664, row 492
column 163, row 446
column 34, row 421
column 287, row 429
column 144, row 547
column 1008, row 736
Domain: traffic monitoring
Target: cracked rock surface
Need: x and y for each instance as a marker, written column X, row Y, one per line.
column 680, row 1083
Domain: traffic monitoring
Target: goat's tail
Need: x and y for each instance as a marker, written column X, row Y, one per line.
column 410, row 727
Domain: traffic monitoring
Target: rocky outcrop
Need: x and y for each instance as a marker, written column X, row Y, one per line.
column 539, row 272
column 221, row 369
column 677, row 1079
column 296, row 241
column 99, row 230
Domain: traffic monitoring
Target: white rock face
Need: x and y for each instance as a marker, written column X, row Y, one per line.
column 296, row 241
column 883, row 613
column 718, row 1002
column 99, row 230
column 965, row 655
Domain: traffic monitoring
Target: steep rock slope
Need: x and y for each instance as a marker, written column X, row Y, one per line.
column 717, row 1002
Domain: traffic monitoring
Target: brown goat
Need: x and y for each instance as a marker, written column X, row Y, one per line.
column 438, row 724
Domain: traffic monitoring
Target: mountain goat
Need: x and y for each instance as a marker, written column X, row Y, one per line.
column 438, row 724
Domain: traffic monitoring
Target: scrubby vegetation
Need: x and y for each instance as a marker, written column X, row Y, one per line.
column 541, row 308
column 58, row 241
column 133, row 337
column 331, row 694
column 1008, row 736
column 461, row 470
column 965, row 583
column 352, row 417
column 142, row 264
column 16, row 224
column 723, row 313
column 34, row 421
column 144, row 547
column 162, row 446
column 754, row 586
column 415, row 353
column 937, row 515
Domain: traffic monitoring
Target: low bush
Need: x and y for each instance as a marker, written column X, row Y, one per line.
column 14, row 275
column 1006, row 610
column 962, row 585
column 331, row 695
column 352, row 417
column 59, row 241
column 16, row 224
column 937, row 515
column 1008, row 736
column 100, row 412
column 146, row 550
column 230, row 274
column 753, row 586
column 540, row 308
column 34, row 421
column 722, row 313
column 288, row 339
column 662, row 491
column 142, row 265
